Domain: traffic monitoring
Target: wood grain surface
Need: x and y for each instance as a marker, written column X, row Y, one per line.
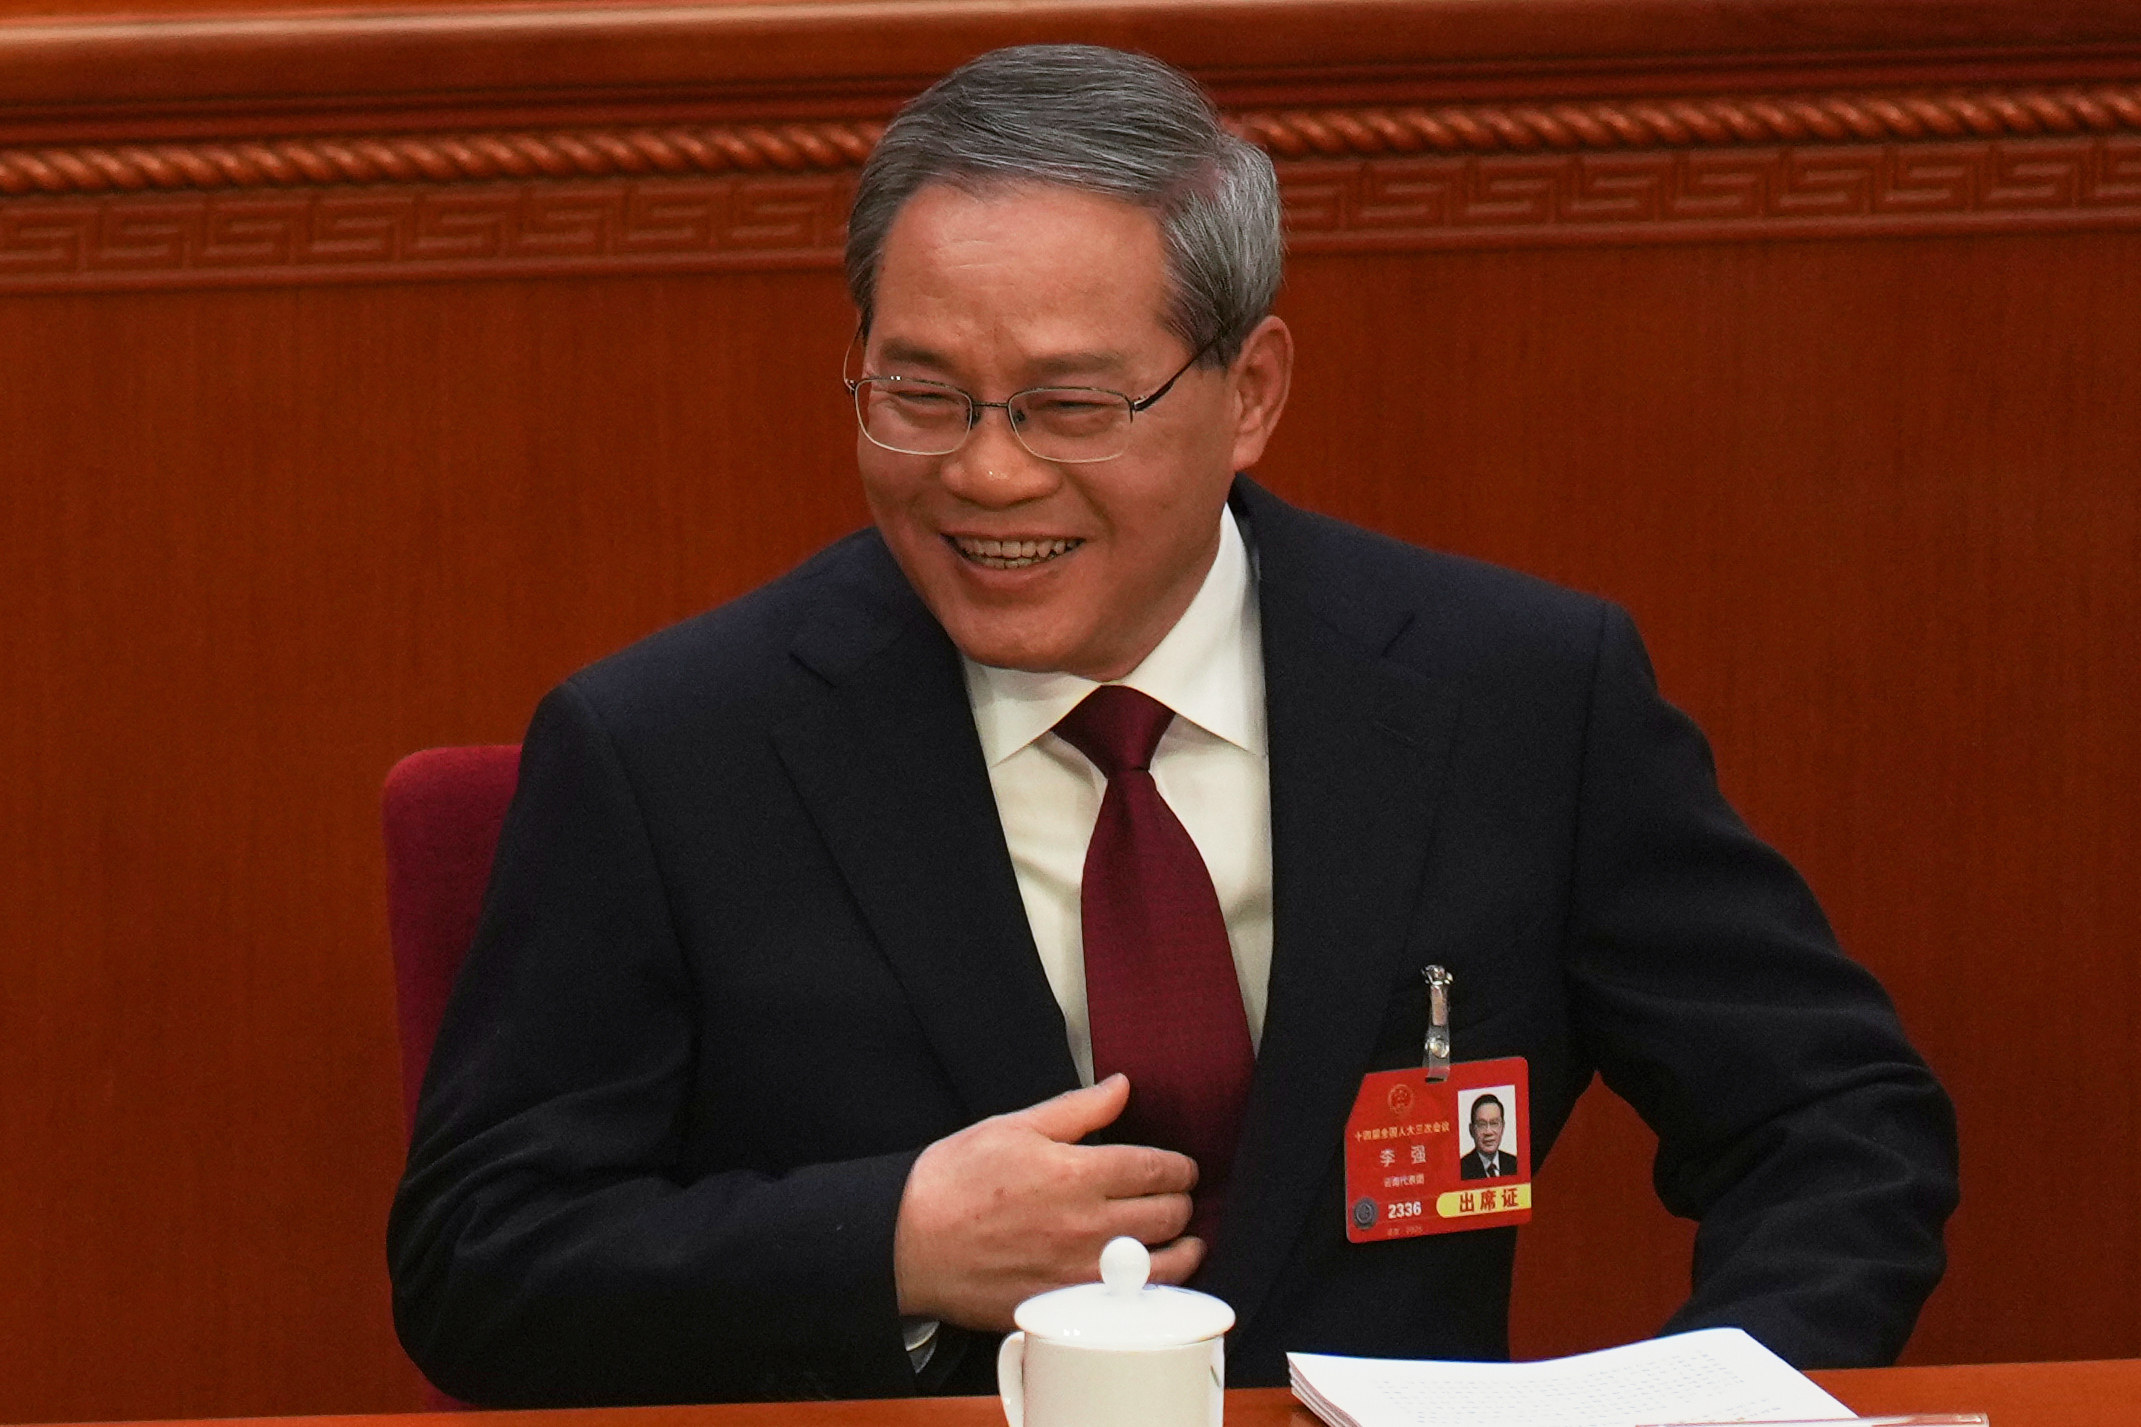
column 220, row 54
column 2060, row 1394
column 1874, row 507
column 257, row 547
column 1875, row 500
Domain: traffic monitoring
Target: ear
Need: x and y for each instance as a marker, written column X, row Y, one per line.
column 1259, row 379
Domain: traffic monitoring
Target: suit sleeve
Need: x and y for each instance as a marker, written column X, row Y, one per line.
column 1794, row 1120
column 546, row 1247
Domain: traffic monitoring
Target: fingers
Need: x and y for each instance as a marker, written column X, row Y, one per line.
column 1176, row 1262
column 1119, row 1171
column 1073, row 1115
column 1014, row 1205
column 1127, row 1171
column 1155, row 1219
column 1144, row 1192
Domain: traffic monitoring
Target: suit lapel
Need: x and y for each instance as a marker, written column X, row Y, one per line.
column 1358, row 751
column 886, row 759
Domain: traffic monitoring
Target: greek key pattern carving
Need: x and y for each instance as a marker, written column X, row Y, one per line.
column 1692, row 194
column 195, row 239
column 762, row 196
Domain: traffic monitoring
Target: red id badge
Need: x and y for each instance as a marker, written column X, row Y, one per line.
column 1436, row 1156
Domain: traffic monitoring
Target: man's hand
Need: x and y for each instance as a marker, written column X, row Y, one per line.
column 1014, row 1206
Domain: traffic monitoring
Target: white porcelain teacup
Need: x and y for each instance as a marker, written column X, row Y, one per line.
column 1118, row 1353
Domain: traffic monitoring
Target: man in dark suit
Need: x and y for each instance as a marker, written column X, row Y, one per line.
column 1486, row 1159
column 826, row 927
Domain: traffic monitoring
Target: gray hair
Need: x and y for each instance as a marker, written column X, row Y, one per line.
column 1102, row 121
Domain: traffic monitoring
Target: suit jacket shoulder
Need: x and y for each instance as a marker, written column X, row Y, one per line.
column 1474, row 767
column 1460, row 621
column 671, row 1107
column 739, row 659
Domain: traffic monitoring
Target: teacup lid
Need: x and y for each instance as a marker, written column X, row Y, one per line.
column 1123, row 1310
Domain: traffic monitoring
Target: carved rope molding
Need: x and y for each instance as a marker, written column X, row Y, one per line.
column 693, row 198
column 1696, row 123
column 1286, row 133
column 441, row 158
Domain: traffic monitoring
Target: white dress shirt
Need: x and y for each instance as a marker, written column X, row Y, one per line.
column 1212, row 767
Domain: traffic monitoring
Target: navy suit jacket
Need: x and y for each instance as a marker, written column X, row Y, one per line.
column 753, row 940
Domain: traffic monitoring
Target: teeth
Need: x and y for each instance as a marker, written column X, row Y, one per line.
column 1011, row 554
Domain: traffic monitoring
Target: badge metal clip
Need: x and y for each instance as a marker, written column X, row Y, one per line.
column 1435, row 1053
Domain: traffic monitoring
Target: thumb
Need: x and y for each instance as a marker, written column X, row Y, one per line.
column 1074, row 1114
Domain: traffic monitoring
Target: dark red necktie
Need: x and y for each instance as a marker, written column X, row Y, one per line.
column 1160, row 991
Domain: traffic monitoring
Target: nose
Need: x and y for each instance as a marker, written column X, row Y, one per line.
column 994, row 469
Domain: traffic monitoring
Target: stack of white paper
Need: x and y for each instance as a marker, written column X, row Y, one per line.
column 1715, row 1375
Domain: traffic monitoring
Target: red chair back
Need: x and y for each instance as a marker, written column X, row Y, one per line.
column 442, row 812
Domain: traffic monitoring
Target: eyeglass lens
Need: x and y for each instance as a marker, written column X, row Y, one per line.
column 922, row 418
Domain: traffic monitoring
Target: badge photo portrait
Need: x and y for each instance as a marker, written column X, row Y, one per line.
column 1488, row 1138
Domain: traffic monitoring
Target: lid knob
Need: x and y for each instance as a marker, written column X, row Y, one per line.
column 1124, row 1266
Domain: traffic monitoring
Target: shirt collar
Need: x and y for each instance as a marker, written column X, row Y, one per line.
column 1209, row 669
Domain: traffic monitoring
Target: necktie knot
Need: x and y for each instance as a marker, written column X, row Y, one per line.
column 1117, row 727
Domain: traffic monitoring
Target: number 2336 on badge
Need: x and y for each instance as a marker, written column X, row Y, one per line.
column 1436, row 1154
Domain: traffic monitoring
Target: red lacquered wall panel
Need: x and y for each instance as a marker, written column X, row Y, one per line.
column 334, row 425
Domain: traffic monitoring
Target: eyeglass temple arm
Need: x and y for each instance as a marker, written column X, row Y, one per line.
column 1195, row 357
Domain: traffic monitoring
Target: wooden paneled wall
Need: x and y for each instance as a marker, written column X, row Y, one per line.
column 362, row 373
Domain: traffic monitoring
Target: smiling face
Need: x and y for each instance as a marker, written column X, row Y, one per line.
column 1033, row 564
column 1486, row 1126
